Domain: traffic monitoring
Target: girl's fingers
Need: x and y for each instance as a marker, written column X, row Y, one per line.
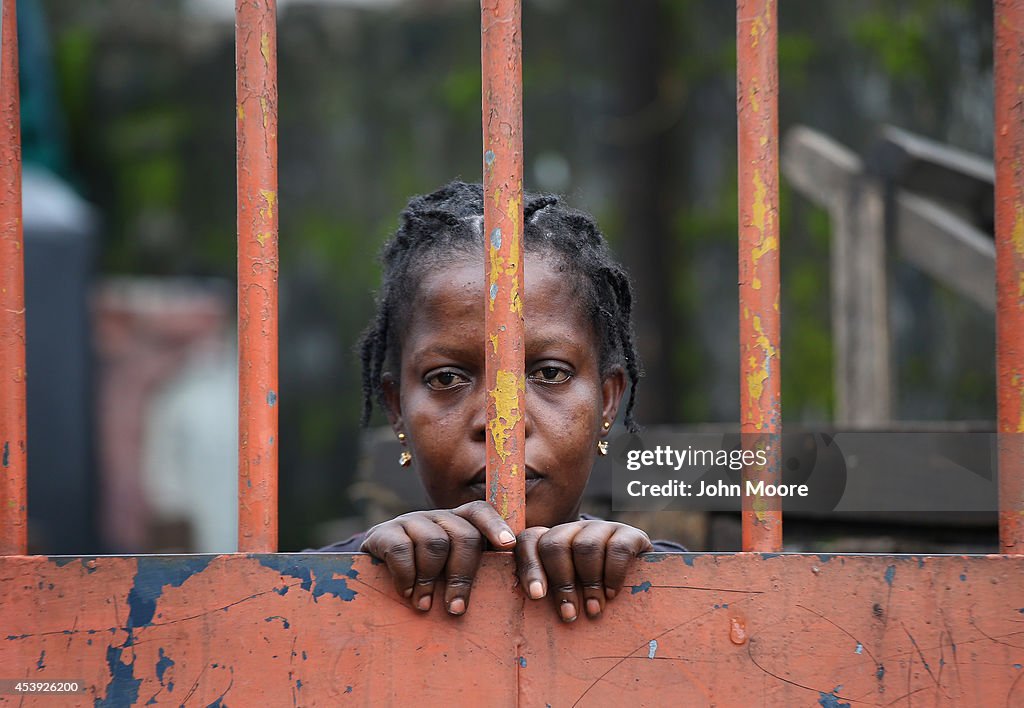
column 623, row 546
column 430, row 549
column 555, row 551
column 588, row 555
column 467, row 545
column 390, row 543
column 530, row 570
column 483, row 516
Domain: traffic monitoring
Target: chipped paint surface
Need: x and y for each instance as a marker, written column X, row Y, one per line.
column 760, row 390
column 1009, row 240
column 728, row 629
column 502, row 111
column 13, row 484
column 256, row 93
column 505, row 399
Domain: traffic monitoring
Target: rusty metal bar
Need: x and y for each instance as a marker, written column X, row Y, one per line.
column 256, row 126
column 757, row 108
column 1009, row 159
column 13, row 433
column 501, row 62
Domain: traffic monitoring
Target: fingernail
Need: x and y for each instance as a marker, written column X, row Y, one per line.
column 457, row 606
column 610, row 593
column 536, row 590
column 593, row 607
column 424, row 603
column 568, row 612
column 506, row 537
column 408, row 592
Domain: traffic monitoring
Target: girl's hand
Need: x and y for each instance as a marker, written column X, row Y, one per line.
column 424, row 547
column 580, row 564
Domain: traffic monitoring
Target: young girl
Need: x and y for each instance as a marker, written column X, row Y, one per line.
column 423, row 362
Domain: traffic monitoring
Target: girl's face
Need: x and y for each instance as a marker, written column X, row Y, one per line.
column 439, row 398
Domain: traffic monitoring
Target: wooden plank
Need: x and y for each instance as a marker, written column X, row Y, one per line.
column 935, row 170
column 833, row 177
column 946, row 247
column 688, row 629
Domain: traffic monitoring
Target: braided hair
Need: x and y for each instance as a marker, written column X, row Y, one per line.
column 451, row 219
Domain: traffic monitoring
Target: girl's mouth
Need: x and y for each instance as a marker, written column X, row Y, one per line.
column 479, row 482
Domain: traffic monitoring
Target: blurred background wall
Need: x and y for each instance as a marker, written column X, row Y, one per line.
column 629, row 110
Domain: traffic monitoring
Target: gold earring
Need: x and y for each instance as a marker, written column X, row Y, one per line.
column 405, row 459
column 602, row 447
column 401, row 437
column 606, row 425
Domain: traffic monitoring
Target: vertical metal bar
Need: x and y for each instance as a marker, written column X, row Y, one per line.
column 256, row 126
column 501, row 61
column 757, row 81
column 1009, row 159
column 13, row 433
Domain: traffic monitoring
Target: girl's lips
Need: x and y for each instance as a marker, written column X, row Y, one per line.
column 479, row 482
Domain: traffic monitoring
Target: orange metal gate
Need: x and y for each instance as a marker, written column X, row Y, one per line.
column 757, row 627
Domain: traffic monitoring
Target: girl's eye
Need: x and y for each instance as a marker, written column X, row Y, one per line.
column 443, row 380
column 551, row 374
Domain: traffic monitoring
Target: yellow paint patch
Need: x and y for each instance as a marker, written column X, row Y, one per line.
column 265, row 48
column 263, row 109
column 755, row 283
column 760, row 508
column 754, row 103
column 507, row 415
column 494, row 343
column 241, row 112
column 514, row 211
column 269, row 196
column 1018, row 232
column 761, row 220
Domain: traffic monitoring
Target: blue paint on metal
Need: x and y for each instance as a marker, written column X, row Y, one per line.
column 284, row 622
column 163, row 663
column 271, row 398
column 652, row 648
column 688, row 558
column 769, row 556
column 494, row 290
column 826, row 557
column 41, row 664
column 318, row 572
column 522, row 661
column 496, row 237
column 348, row 689
column 1017, row 666
column 880, row 673
column 890, row 573
column 489, row 158
column 123, row 689
column 963, row 577
column 642, row 587
column 859, row 649
column 830, row 700
column 7, row 455
column 152, row 575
